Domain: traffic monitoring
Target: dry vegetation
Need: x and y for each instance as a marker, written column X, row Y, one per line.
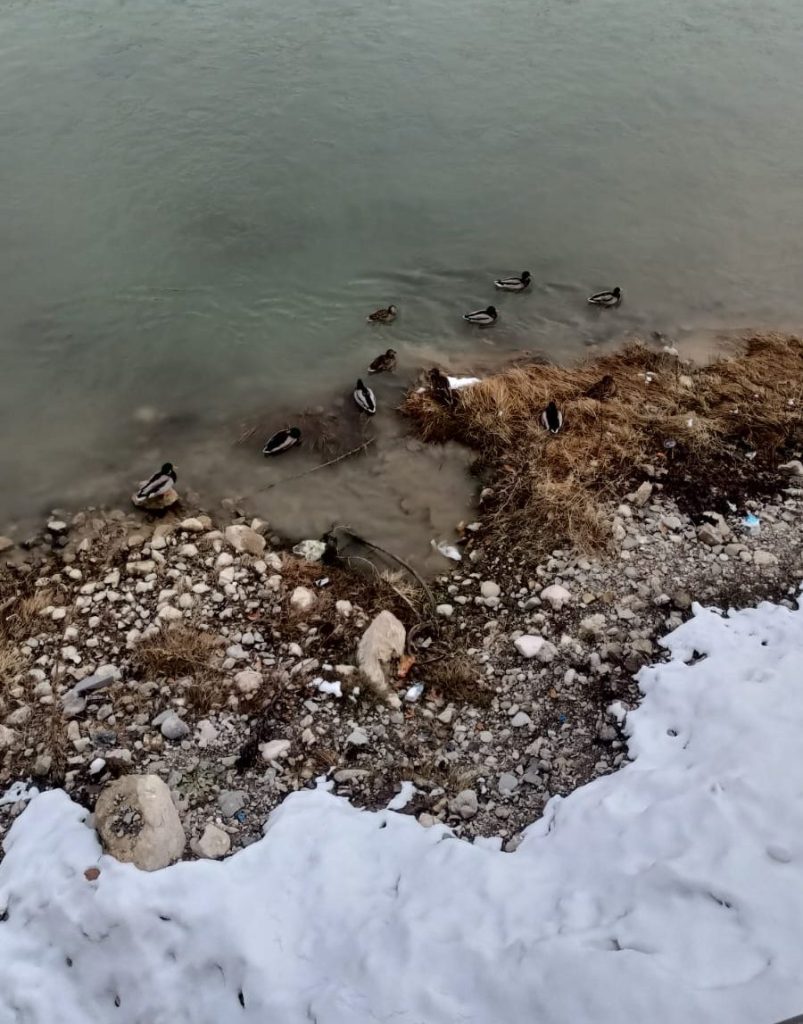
column 554, row 489
column 185, row 651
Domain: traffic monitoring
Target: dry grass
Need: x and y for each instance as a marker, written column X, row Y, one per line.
column 20, row 618
column 458, row 680
column 549, row 490
column 184, row 650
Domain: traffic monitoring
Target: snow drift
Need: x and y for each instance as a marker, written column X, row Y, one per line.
column 671, row 891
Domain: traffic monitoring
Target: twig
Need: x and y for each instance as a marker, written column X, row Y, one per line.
column 390, row 554
column 323, row 465
column 379, row 576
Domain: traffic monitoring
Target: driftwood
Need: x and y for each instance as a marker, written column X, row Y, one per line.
column 323, row 465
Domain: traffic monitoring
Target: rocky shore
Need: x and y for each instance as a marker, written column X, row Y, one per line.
column 204, row 655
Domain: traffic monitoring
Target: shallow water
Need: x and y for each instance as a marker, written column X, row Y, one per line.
column 201, row 202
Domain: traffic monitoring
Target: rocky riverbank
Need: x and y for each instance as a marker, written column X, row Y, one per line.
column 203, row 654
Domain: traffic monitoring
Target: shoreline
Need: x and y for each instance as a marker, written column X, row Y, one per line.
column 202, row 652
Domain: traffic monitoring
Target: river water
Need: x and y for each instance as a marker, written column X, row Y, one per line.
column 202, row 200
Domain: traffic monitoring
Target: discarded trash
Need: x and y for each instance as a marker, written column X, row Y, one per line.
column 752, row 523
column 447, row 550
column 335, row 687
column 322, row 582
column 241, row 816
column 670, row 443
column 461, row 382
column 414, row 693
column 311, row 550
column 561, row 718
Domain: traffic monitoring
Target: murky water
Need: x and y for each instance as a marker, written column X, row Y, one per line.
column 202, row 200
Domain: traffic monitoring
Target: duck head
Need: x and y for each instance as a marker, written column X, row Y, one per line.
column 295, row 433
column 617, row 292
column 393, row 309
column 525, row 276
column 168, row 469
column 491, row 311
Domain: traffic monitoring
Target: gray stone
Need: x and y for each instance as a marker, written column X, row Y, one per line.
column 173, row 728
column 105, row 676
column 245, row 540
column 357, row 738
column 764, row 558
column 520, row 720
column 6, row 543
column 302, row 599
column 489, row 589
column 446, row 611
column 682, row 600
column 248, row 682
column 138, row 823
column 710, row 535
column 643, row 494
column 8, row 738
column 508, row 783
column 230, row 801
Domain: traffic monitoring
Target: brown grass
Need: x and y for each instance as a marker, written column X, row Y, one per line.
column 185, row 650
column 20, row 618
column 457, row 679
column 549, row 490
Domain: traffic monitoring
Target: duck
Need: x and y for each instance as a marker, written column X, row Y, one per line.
column 384, row 363
column 384, row 316
column 282, row 440
column 364, row 397
column 160, row 483
column 514, row 284
column 441, row 388
column 482, row 317
column 552, row 418
column 603, row 389
column 607, row 299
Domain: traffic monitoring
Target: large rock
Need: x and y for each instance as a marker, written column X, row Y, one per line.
column 381, row 642
column 157, row 504
column 245, row 540
column 138, row 823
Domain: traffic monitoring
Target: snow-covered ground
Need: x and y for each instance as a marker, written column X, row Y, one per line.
column 671, row 891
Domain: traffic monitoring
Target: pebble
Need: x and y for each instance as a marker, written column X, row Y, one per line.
column 465, row 805
column 357, row 738
column 556, row 595
column 765, row 558
column 248, row 681
column 446, row 611
column 230, row 801
column 174, row 728
column 507, row 783
column 490, row 589
column 274, row 749
column 520, row 720
column 214, row 842
column 302, row 599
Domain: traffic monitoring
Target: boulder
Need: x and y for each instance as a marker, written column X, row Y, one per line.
column 138, row 823
column 157, row 504
column 245, row 540
column 382, row 642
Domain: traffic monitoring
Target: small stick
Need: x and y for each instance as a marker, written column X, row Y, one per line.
column 323, row 465
column 390, row 554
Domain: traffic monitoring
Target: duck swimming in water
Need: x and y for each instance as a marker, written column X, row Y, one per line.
column 282, row 440
column 607, row 299
column 441, row 388
column 384, row 316
column 160, row 483
column 552, row 418
column 514, row 284
column 364, row 397
column 603, row 389
column 482, row 317
column 384, row 363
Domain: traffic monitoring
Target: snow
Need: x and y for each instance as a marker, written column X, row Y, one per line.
column 669, row 892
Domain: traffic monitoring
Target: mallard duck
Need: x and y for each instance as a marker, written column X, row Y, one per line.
column 482, row 317
column 603, row 389
column 364, row 397
column 160, row 483
column 514, row 284
column 552, row 418
column 384, row 316
column 607, row 299
column 282, row 440
column 383, row 363
column 441, row 388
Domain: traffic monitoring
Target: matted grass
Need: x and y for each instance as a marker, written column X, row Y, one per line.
column 553, row 489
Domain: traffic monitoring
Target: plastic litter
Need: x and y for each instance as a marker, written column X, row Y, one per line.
column 752, row 523
column 311, row 550
column 414, row 693
column 447, row 550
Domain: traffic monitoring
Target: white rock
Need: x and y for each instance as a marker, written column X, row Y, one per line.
column 248, row 681
column 20, row 716
column 520, row 720
column 445, row 610
column 302, row 599
column 643, row 494
column 310, row 550
column 465, row 804
column 556, row 595
column 186, row 601
column 381, row 642
column 138, row 823
column 188, row 551
column 508, row 783
column 274, row 749
column 490, row 589
column 97, row 766
column 272, row 561
column 357, row 738
column 169, row 614
column 245, row 540
column 344, row 608
column 793, row 468
column 141, row 568
column 192, row 525
column 765, row 558
column 593, row 625
column 529, row 646
column 214, row 843
column 207, row 733
column 226, row 576
column 6, row 543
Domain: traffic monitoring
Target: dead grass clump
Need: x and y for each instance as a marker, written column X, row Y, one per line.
column 21, row 614
column 457, row 680
column 551, row 489
column 179, row 651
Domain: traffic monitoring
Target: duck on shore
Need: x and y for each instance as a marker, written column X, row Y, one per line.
column 440, row 386
column 385, row 363
column 365, row 398
column 552, row 418
column 603, row 389
column 607, row 299
column 282, row 440
column 159, row 484
column 384, row 316
column 514, row 284
column 482, row 317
